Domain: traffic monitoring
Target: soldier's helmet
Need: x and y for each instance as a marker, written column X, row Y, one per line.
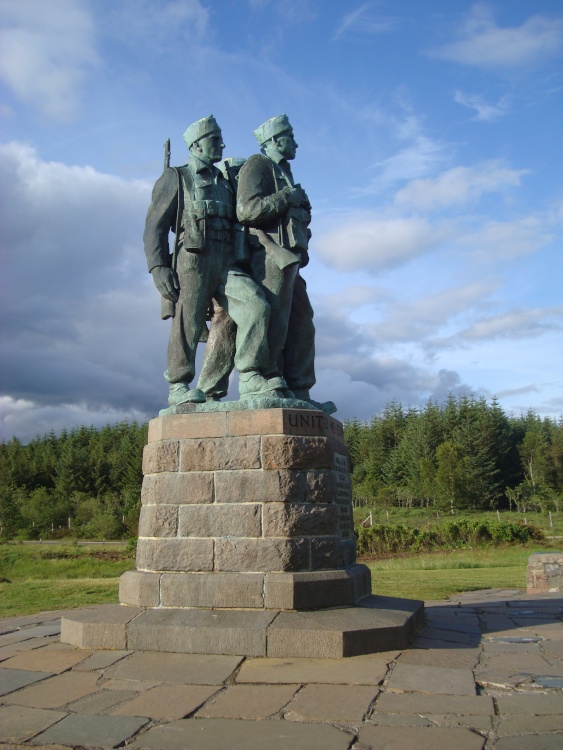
column 198, row 129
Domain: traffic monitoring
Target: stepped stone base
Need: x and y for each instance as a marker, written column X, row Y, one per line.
column 377, row 623
column 246, row 546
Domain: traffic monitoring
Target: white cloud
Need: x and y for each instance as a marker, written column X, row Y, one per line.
column 484, row 44
column 46, row 52
column 363, row 21
column 416, row 319
column 459, row 186
column 485, row 112
column 374, row 244
column 419, row 158
column 505, row 240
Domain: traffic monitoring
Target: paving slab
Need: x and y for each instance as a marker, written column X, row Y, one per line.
column 19, row 723
column 14, row 679
column 400, row 720
column 24, row 634
column 166, row 702
column 517, row 663
column 530, row 742
column 248, row 702
column 530, row 703
column 101, row 660
column 182, row 669
column 358, row 670
column 101, row 701
column 6, row 652
column 421, row 738
column 511, row 725
column 418, row 703
column 57, row 691
column 54, row 658
column 137, row 686
column 479, row 722
column 231, row 734
column 407, row 678
column 449, row 636
column 449, row 656
column 331, row 703
column 91, row 731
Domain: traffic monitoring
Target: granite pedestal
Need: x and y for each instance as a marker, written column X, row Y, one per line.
column 246, row 545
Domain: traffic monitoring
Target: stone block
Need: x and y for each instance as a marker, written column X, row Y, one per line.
column 347, row 552
column 103, row 627
column 243, row 590
column 321, row 486
column 176, row 426
column 257, row 485
column 139, row 588
column 545, row 573
column 175, row 554
column 315, row 589
column 299, row 519
column 261, row 555
column 158, row 520
column 201, row 631
column 285, row 422
column 178, row 488
column 325, row 553
column 378, row 625
column 211, row 454
column 287, row 452
column 161, row 456
column 234, row 519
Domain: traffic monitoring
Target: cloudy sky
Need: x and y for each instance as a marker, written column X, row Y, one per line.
column 429, row 143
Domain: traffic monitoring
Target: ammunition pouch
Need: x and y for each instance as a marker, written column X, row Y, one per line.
column 296, row 221
column 198, row 228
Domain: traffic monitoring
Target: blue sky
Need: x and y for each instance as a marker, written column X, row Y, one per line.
column 429, row 144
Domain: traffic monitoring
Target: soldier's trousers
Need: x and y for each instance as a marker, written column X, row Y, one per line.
column 291, row 334
column 203, row 277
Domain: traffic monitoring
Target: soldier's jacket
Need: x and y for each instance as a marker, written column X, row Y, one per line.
column 196, row 201
column 262, row 202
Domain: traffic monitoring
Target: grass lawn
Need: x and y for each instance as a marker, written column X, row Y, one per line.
column 62, row 576
column 65, row 576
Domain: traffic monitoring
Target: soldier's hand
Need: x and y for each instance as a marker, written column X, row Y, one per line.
column 296, row 196
column 166, row 281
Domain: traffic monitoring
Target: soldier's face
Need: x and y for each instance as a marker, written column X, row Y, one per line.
column 287, row 145
column 212, row 147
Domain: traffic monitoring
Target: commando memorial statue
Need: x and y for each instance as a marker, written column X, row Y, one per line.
column 241, row 235
column 246, row 540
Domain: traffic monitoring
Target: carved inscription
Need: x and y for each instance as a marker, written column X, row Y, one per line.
column 298, row 422
column 343, row 496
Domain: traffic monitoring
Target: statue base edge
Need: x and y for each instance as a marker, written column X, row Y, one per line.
column 376, row 623
column 262, row 402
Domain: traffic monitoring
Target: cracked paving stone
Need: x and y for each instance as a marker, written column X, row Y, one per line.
column 55, row 692
column 232, row 734
column 19, row 723
column 194, row 669
column 407, row 738
column 335, row 703
column 14, row 679
column 96, row 731
column 407, row 678
column 55, row 658
column 248, row 702
column 166, row 702
column 530, row 742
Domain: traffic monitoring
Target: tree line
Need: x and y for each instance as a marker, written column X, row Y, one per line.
column 83, row 482
column 463, row 454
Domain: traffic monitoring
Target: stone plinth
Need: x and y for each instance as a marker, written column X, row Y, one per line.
column 246, row 509
column 246, row 546
column 545, row 573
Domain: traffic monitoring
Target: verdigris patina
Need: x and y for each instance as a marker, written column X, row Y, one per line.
column 238, row 261
column 197, row 202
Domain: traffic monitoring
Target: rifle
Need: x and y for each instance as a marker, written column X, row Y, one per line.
column 167, row 307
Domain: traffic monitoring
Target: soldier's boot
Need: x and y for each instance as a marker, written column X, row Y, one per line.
column 254, row 385
column 181, row 393
column 329, row 407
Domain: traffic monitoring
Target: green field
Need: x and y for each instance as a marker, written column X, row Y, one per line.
column 47, row 577
column 64, row 576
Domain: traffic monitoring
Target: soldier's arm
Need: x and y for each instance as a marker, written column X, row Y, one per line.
column 257, row 201
column 161, row 218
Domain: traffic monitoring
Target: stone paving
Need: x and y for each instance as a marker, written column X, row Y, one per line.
column 485, row 673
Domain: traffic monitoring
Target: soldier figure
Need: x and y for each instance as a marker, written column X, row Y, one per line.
column 197, row 203
column 277, row 213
